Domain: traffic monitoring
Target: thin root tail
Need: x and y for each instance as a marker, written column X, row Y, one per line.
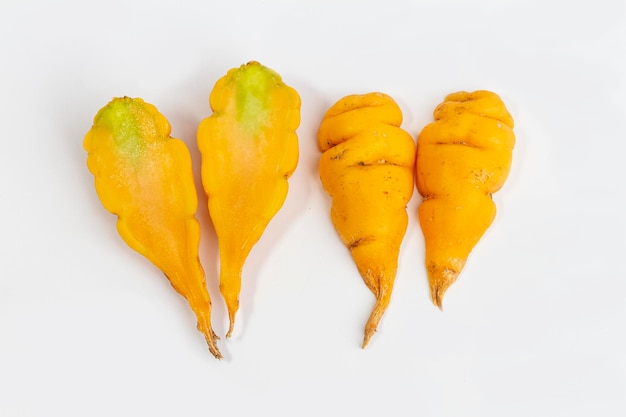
column 440, row 280
column 231, row 323
column 382, row 302
column 436, row 295
column 212, row 343
column 210, row 337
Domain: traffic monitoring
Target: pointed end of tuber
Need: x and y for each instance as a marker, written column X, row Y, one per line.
column 436, row 295
column 230, row 285
column 369, row 332
column 231, row 320
column 211, row 340
column 440, row 280
column 204, row 326
column 382, row 302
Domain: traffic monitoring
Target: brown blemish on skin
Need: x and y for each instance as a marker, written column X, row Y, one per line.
column 358, row 242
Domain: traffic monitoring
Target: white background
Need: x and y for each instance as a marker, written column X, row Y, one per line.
column 533, row 327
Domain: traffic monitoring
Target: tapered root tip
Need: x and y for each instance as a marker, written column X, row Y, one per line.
column 204, row 326
column 436, row 294
column 382, row 302
column 441, row 278
column 211, row 340
column 231, row 325
column 369, row 332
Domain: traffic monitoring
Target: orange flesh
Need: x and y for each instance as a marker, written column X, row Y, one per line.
column 144, row 177
column 249, row 150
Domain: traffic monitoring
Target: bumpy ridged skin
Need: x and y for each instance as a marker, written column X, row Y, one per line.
column 463, row 157
column 367, row 167
column 144, row 176
column 249, row 150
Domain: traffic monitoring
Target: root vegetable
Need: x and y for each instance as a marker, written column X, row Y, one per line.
column 249, row 150
column 463, row 157
column 367, row 167
column 144, row 176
